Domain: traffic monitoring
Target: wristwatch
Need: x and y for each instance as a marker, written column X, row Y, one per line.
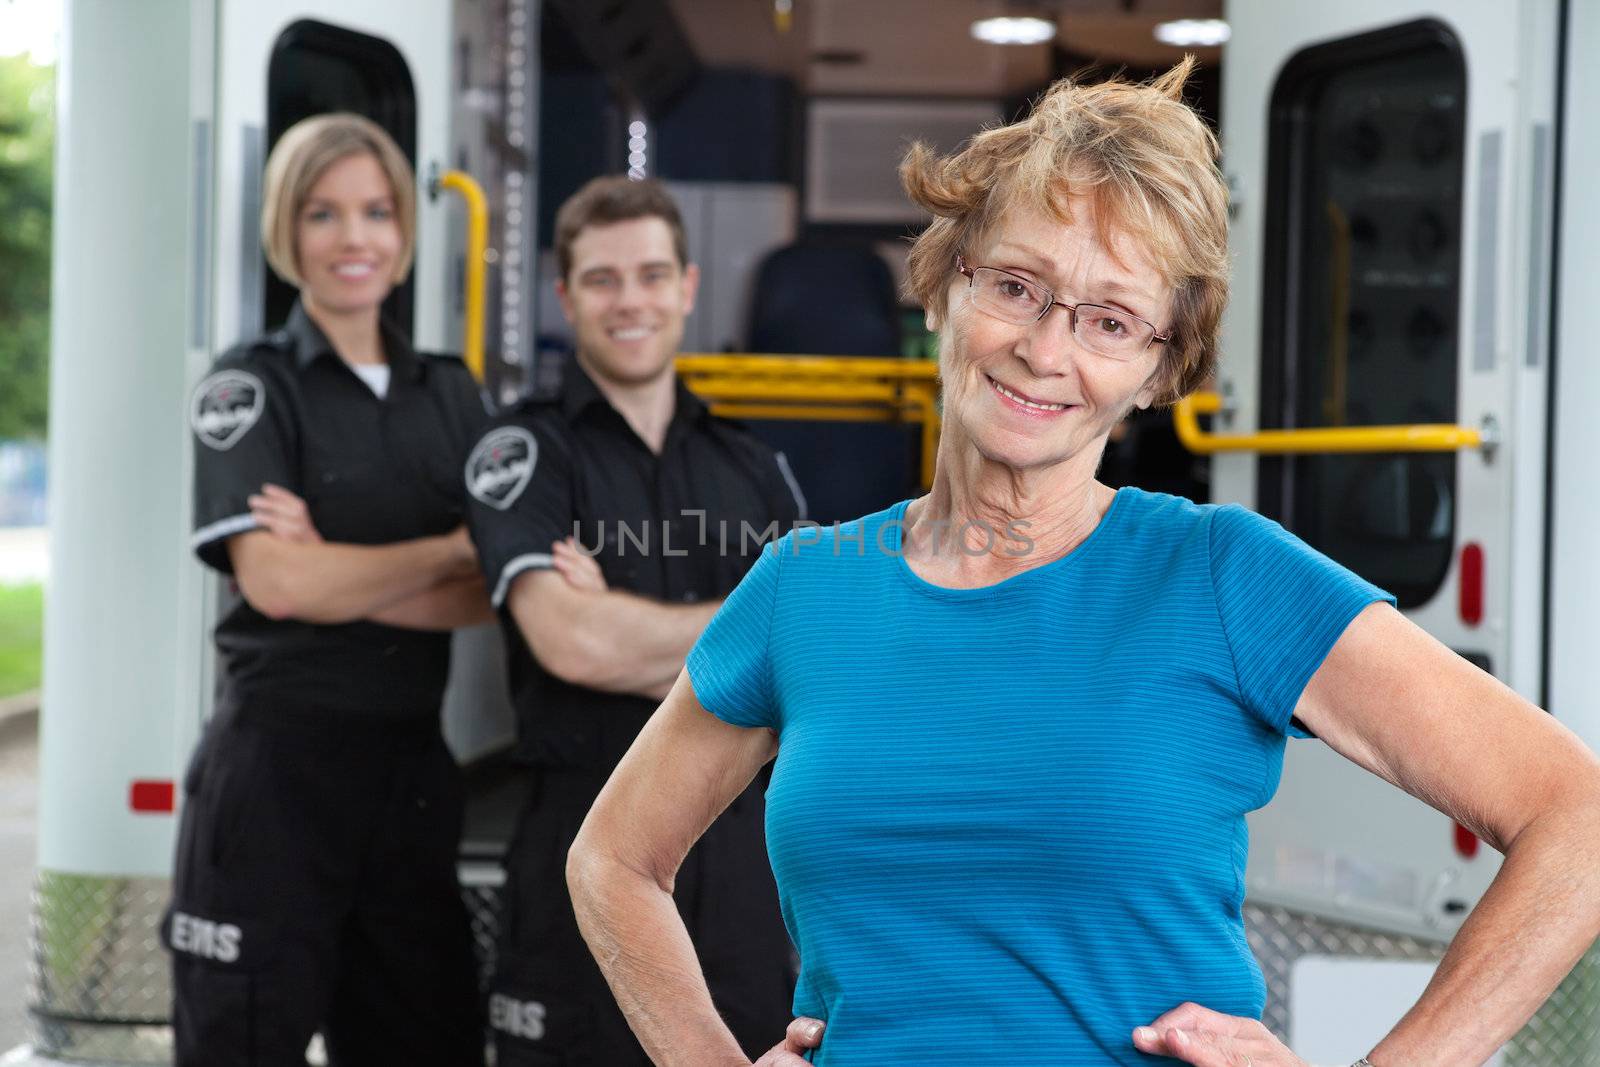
column 1362, row 1062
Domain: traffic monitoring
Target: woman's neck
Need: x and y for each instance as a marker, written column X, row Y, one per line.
column 983, row 521
column 354, row 335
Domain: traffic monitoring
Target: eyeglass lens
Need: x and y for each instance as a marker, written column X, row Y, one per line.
column 1017, row 300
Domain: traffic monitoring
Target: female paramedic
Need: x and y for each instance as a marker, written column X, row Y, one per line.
column 1018, row 722
column 315, row 884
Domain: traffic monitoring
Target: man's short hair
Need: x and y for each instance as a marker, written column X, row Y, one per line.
column 614, row 198
column 302, row 154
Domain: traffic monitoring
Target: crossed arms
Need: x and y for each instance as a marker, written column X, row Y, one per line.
column 287, row 571
column 587, row 634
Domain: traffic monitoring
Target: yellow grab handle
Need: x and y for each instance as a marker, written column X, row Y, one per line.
column 1425, row 438
column 833, row 388
column 477, row 245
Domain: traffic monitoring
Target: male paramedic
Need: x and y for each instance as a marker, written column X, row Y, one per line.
column 611, row 517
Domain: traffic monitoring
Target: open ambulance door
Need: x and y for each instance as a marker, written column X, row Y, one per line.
column 169, row 108
column 1392, row 165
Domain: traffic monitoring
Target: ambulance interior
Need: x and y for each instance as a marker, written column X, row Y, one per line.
column 778, row 128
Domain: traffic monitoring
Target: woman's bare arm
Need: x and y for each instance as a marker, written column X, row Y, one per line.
column 685, row 767
column 333, row 583
column 1394, row 700
column 286, row 571
column 1405, row 707
column 449, row 605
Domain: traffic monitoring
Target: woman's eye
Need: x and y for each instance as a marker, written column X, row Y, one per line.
column 1113, row 326
column 379, row 213
column 321, row 214
column 1013, row 290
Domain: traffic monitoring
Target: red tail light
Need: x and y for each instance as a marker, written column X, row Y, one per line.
column 151, row 797
column 1472, row 584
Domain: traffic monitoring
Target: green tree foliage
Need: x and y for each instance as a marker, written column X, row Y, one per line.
column 27, row 142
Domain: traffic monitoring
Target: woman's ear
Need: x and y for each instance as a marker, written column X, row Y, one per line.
column 1152, row 388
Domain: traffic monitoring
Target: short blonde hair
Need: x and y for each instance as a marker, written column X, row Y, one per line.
column 302, row 154
column 1143, row 158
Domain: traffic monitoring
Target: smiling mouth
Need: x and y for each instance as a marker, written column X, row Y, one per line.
column 631, row 333
column 354, row 270
column 1036, row 405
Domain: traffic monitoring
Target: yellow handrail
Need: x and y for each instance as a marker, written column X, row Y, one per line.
column 821, row 388
column 477, row 244
column 1422, row 438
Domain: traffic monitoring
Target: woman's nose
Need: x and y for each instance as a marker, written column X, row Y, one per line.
column 1048, row 346
column 353, row 231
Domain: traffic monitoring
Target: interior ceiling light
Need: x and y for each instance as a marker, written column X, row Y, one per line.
column 1014, row 30
column 1193, row 33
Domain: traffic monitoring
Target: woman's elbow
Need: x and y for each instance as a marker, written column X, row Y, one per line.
column 598, row 878
column 273, row 599
column 586, row 872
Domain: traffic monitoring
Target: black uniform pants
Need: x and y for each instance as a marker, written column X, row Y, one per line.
column 315, row 889
column 550, row 1005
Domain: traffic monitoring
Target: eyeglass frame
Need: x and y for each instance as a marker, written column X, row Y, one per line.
column 970, row 273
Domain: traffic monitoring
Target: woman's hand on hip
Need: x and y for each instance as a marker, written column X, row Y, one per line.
column 284, row 514
column 802, row 1034
column 1208, row 1038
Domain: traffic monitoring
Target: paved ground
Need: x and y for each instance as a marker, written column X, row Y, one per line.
column 24, row 557
column 19, row 779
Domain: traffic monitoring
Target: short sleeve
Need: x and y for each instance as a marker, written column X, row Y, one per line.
column 730, row 665
column 1283, row 606
column 519, row 501
column 245, row 437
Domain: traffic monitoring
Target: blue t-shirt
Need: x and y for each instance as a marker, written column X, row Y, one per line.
column 1008, row 823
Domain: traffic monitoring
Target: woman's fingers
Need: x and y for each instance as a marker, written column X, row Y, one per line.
column 1235, row 1043
column 1191, row 1016
column 283, row 513
column 803, row 1033
column 778, row 1056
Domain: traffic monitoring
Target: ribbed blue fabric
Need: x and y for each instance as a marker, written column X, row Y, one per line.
column 1008, row 824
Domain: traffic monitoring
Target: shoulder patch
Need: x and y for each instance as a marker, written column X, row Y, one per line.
column 500, row 468
column 225, row 406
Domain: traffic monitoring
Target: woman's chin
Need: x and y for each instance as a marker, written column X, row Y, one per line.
column 345, row 303
column 1020, row 451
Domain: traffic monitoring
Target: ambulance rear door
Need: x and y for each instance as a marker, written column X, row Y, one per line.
column 1391, row 166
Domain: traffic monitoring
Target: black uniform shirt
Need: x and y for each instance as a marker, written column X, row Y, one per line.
column 670, row 527
column 287, row 410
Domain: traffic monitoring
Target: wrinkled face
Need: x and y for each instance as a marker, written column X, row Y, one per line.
column 347, row 239
column 626, row 297
column 1032, row 396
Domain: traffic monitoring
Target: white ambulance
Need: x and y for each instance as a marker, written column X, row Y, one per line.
column 1414, row 237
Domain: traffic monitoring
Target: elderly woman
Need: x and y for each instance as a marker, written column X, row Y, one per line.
column 315, row 882
column 1019, row 721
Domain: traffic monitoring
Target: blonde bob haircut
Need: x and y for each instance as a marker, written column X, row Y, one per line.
column 302, row 154
column 1138, row 154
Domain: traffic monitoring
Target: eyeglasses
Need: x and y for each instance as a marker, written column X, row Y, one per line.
column 1016, row 300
